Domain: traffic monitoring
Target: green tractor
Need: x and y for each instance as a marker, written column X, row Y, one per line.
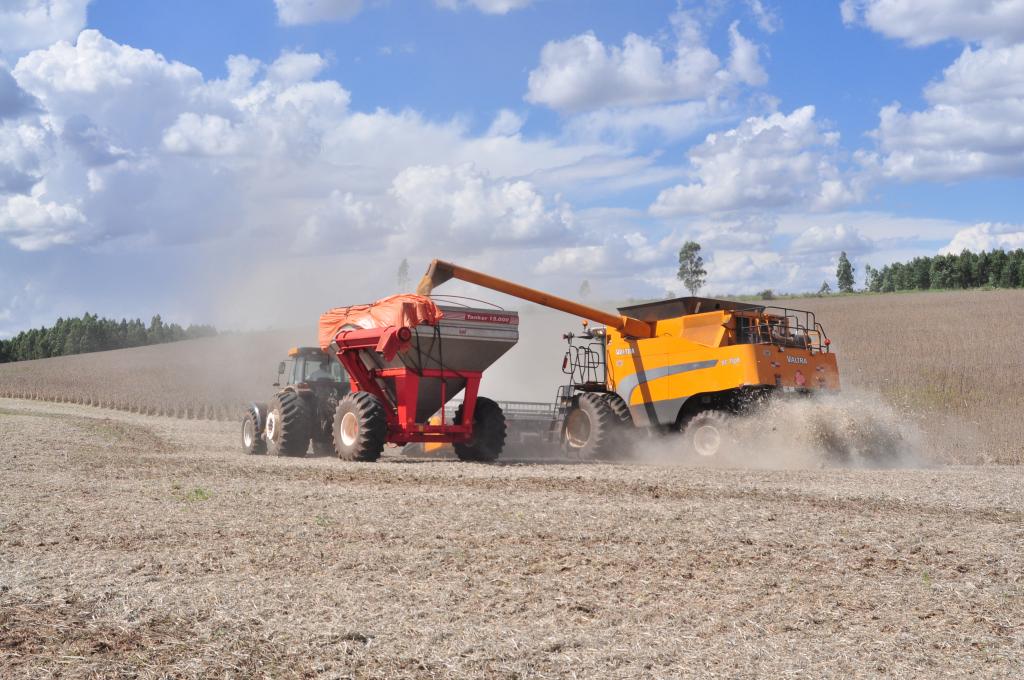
column 311, row 382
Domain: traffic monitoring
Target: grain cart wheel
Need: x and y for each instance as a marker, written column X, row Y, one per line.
column 252, row 435
column 489, row 431
column 593, row 430
column 707, row 433
column 287, row 428
column 360, row 427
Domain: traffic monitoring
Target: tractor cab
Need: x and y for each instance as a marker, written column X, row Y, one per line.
column 308, row 365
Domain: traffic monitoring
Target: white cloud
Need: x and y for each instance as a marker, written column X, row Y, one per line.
column 745, row 58
column 463, row 205
column 626, row 124
column 32, row 223
column 208, row 134
column 832, row 240
column 485, row 6
column 29, row 24
column 583, row 74
column 974, row 125
column 24, row 146
column 506, row 124
column 768, row 161
column 581, row 259
column 767, row 20
column 270, row 145
column 986, row 236
column 295, row 12
column 923, row 22
column 295, row 67
column 14, row 101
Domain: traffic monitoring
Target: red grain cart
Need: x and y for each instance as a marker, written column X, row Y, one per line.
column 406, row 358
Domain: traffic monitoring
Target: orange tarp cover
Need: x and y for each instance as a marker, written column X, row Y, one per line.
column 397, row 310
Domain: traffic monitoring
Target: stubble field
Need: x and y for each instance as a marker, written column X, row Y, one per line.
column 144, row 546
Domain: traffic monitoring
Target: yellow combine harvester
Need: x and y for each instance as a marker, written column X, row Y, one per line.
column 684, row 364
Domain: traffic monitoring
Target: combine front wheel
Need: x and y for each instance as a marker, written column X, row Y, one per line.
column 593, row 428
column 360, row 427
column 489, row 432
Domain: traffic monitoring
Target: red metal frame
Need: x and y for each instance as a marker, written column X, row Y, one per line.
column 401, row 410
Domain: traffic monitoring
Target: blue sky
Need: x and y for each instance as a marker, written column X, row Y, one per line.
column 207, row 159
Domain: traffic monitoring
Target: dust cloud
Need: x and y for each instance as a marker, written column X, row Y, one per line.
column 851, row 429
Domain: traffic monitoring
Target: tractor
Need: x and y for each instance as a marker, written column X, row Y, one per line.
column 311, row 383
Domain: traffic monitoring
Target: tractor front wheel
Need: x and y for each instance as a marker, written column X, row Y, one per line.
column 287, row 429
column 489, row 432
column 360, row 427
column 252, row 438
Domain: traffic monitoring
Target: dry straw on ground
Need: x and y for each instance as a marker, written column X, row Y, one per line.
column 140, row 546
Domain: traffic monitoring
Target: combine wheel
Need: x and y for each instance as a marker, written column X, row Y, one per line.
column 360, row 427
column 252, row 436
column 287, row 429
column 489, row 431
column 707, row 433
column 593, row 428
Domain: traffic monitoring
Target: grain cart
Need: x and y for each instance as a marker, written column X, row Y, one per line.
column 311, row 383
column 406, row 357
column 683, row 364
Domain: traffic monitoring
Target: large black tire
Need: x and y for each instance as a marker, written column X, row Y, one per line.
column 287, row 428
column 360, row 427
column 489, row 432
column 708, row 435
column 252, row 434
column 593, row 429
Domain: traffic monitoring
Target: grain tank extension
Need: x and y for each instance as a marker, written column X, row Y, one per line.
column 684, row 364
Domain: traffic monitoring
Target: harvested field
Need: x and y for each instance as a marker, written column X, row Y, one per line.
column 141, row 546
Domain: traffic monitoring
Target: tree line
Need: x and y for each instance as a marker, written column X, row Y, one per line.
column 997, row 268
column 90, row 333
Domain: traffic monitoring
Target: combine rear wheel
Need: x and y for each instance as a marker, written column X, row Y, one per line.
column 252, row 437
column 594, row 427
column 360, row 427
column 489, row 431
column 287, row 429
column 707, row 433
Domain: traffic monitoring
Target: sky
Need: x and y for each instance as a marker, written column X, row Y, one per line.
column 251, row 163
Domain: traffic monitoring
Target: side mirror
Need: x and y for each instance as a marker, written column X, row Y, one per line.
column 280, row 368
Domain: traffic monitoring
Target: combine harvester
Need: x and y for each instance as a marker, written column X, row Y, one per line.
column 685, row 364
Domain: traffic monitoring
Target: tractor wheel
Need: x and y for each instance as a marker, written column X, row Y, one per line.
column 707, row 434
column 360, row 427
column 489, row 432
column 252, row 437
column 593, row 428
column 287, row 429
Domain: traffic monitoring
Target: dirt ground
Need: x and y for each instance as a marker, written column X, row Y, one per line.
column 144, row 546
